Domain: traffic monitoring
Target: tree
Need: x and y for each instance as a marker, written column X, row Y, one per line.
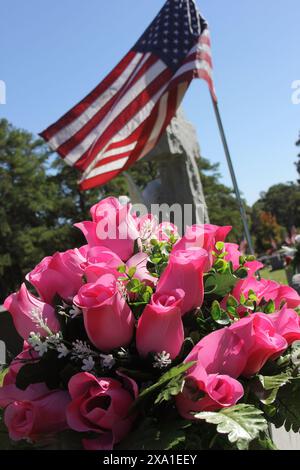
column 283, row 202
column 268, row 233
column 222, row 205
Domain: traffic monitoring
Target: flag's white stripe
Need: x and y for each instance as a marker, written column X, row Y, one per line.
column 162, row 114
column 129, row 128
column 67, row 132
column 195, row 64
column 200, row 47
column 163, row 109
column 140, row 65
column 118, row 150
column 117, row 165
column 141, row 85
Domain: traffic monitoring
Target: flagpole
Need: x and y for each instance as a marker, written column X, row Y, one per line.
column 233, row 175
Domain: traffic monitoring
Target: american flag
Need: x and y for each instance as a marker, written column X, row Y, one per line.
column 123, row 118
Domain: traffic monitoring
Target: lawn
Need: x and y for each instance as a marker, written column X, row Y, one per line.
column 278, row 276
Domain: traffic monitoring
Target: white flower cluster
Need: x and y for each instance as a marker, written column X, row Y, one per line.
column 37, row 317
column 80, row 351
column 162, row 360
column 41, row 345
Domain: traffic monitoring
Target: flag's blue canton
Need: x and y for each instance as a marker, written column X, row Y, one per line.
column 173, row 33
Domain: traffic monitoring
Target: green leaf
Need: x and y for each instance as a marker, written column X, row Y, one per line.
column 173, row 388
column 241, row 273
column 270, row 385
column 242, row 423
column 131, row 271
column 275, row 381
column 122, row 269
column 286, row 408
column 153, row 434
column 232, row 302
column 219, row 284
column 220, row 246
column 216, row 310
column 177, row 371
column 270, row 307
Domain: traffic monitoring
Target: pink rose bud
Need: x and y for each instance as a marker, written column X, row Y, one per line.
column 34, row 413
column 203, row 236
column 287, row 295
column 26, row 310
column 222, row 352
column 262, row 339
column 108, row 320
column 287, row 324
column 113, row 227
column 185, row 271
column 160, row 327
column 101, row 406
column 140, row 261
column 207, row 392
column 58, row 274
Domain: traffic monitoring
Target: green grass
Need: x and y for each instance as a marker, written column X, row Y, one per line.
column 278, row 276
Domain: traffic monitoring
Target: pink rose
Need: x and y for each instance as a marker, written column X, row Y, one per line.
column 287, row 324
column 164, row 230
column 28, row 354
column 34, row 413
column 113, row 226
column 207, row 392
column 203, row 236
column 280, row 294
column 58, row 274
column 185, row 271
column 101, row 260
column 250, row 284
column 263, row 341
column 100, row 405
column 25, row 310
column 160, row 327
column 253, row 267
column 233, row 255
column 288, row 295
column 108, row 320
column 140, row 261
column 223, row 352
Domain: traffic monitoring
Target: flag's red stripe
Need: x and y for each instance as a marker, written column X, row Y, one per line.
column 77, row 110
column 98, row 180
column 69, row 145
column 120, row 122
column 147, row 127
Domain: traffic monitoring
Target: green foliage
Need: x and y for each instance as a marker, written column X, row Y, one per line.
column 176, row 372
column 221, row 201
column 267, row 387
column 282, row 202
column 285, row 411
column 243, row 423
column 156, row 434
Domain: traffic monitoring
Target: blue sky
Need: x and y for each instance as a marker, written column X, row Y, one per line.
column 54, row 52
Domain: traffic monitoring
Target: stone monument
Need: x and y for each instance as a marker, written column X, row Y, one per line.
column 179, row 178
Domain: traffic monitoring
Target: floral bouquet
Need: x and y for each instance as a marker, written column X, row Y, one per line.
column 142, row 339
